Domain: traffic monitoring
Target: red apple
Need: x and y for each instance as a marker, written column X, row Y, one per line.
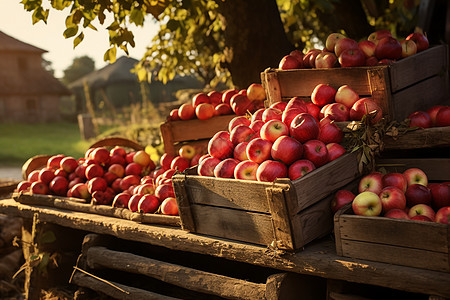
column 165, row 160
column 432, row 112
column 300, row 168
column 352, row 58
column 186, row 111
column 169, row 206
column 279, row 105
column 80, row 190
column 337, row 112
column 46, row 175
column 258, row 150
column 54, row 162
column 331, row 40
column 238, row 120
column 372, row 61
column 246, row 170
column 420, row 119
column 316, row 152
column 418, row 194
column 367, row 204
column 148, row 204
column 340, row 199
column 33, row 176
column 240, row 104
column 334, row 151
column 256, row 91
column 121, row 200
column 59, row 185
column 376, row 36
column 388, row 47
column 397, row 213
column 93, row 170
column 226, row 95
column 205, row 111
column 287, row 150
column 372, row 183
column 215, row 98
column 39, row 187
column 97, row 184
column 313, row 110
column 309, row 60
column 323, row 94
column 163, row 191
column 443, row 215
column 23, row 186
column 223, row 109
column 326, row 60
column 128, row 181
column 415, row 175
column 272, row 113
column 304, row 127
column 298, row 55
column 420, row 40
column 199, row 99
column 392, row 197
column 440, row 195
column 346, row 95
column 256, row 126
column 220, row 147
column 366, row 106
column 273, row 129
column 422, row 209
column 225, row 169
column 133, row 169
column 240, row 151
column 146, row 188
column 241, row 133
column 100, row 155
column 270, row 170
column 290, row 113
column 409, row 48
column 443, row 117
column 330, row 133
column 134, row 201
column 395, row 179
column 289, row 62
column 69, row 164
column 180, row 163
column 344, row 44
column 421, row 218
column 207, row 166
column 367, row 47
column 257, row 115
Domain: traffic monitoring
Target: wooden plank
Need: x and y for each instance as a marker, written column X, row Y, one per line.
column 281, row 220
column 416, row 68
column 380, row 90
column 419, row 139
column 178, row 275
column 291, row 285
column 167, row 138
column 34, row 163
column 435, row 168
column 183, row 203
column 269, row 80
column 413, row 257
column 116, row 290
column 110, row 142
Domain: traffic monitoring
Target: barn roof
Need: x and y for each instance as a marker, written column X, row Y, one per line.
column 117, row 72
column 35, row 83
column 8, row 43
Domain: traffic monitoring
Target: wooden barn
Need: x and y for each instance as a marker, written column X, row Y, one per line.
column 28, row 92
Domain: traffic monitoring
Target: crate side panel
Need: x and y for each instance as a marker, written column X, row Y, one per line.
column 321, row 182
column 435, row 168
column 419, row 139
column 419, row 96
column 233, row 224
column 418, row 67
column 417, row 258
column 403, row 233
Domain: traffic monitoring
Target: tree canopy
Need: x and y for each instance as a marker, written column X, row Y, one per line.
column 227, row 41
column 80, row 66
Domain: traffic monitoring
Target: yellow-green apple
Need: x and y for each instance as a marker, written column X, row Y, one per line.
column 409, row 48
column 143, row 158
column 225, row 169
column 96, row 184
column 186, row 111
column 378, row 35
column 304, row 127
column 313, row 110
column 148, row 204
column 367, row 47
column 163, row 191
column 443, row 215
column 256, row 126
column 238, row 120
column 256, row 91
column 340, row 199
column 46, row 175
column 54, row 162
column 432, row 112
column 128, row 181
column 326, row 60
column 165, row 160
column 388, row 47
column 366, row 106
column 273, row 129
column 134, row 201
column 397, row 213
column 420, row 119
column 289, row 62
column 246, row 170
column 316, row 152
column 330, row 133
column 200, row 98
column 223, row 109
column 239, row 151
column 272, row 113
column 309, row 59
column 371, row 182
column 323, row 94
column 443, row 117
column 337, row 112
column 187, row 151
column 423, row 210
column 440, row 195
column 286, row 149
column 420, row 40
column 215, row 98
column 289, row 114
column 100, row 155
column 346, row 95
column 392, row 197
column 205, row 111
column 344, row 44
column 300, row 168
column 207, row 166
column 179, row 163
column 418, row 194
column 270, row 170
column 226, row 95
column 133, row 169
column 331, row 40
column 352, row 58
column 279, row 105
column 415, row 175
column 367, row 204
column 258, row 150
column 33, row 176
column 58, row 185
column 80, row 190
column 121, row 200
column 335, row 150
column 395, row 179
column 241, row 133
column 169, row 206
column 219, row 146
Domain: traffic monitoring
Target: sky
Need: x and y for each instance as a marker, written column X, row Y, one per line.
column 16, row 22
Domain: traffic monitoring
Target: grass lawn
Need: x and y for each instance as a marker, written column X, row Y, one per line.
column 19, row 142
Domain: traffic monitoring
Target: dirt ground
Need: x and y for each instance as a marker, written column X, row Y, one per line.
column 14, row 173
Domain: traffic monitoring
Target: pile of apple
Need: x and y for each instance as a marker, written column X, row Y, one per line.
column 284, row 140
column 232, row 101
column 340, row 51
column 406, row 195
column 106, row 177
column 435, row 116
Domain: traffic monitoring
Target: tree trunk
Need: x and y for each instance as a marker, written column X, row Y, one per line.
column 255, row 37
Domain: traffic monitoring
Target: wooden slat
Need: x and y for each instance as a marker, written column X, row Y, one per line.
column 413, row 257
column 419, row 139
column 34, row 163
column 117, row 141
column 271, row 84
column 435, row 168
column 183, row 203
column 380, row 90
column 188, row 278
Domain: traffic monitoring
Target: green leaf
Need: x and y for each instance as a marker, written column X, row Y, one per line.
column 78, row 39
column 47, row 237
column 137, row 16
column 70, row 32
column 110, row 55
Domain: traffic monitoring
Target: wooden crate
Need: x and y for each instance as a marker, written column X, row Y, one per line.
column 414, row 83
column 419, row 139
column 395, row 241
column 195, row 132
column 285, row 214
